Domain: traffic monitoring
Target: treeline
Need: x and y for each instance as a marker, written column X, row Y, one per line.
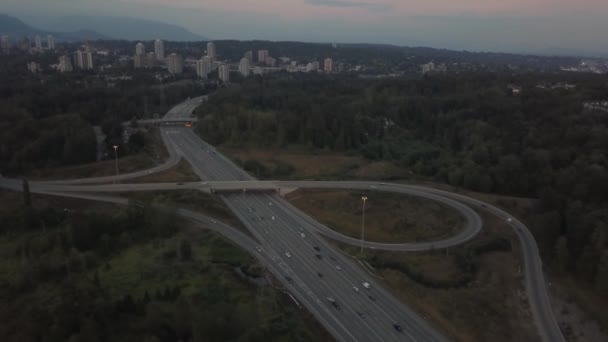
column 469, row 131
column 59, row 284
column 47, row 121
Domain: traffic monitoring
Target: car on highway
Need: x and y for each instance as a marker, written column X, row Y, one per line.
column 316, row 248
column 302, row 235
column 371, row 298
column 270, row 204
column 180, row 183
column 338, row 268
column 258, row 248
column 289, row 280
column 360, row 314
column 397, row 327
column 287, row 254
column 509, row 219
column 320, row 275
column 213, row 221
column 333, row 302
column 356, row 289
column 366, row 285
column 319, row 256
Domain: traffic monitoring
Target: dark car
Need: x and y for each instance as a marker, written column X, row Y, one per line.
column 317, row 248
column 372, row 298
column 289, row 280
column 320, row 275
column 319, row 256
column 397, row 327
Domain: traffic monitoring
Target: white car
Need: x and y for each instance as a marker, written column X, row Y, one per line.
column 366, row 285
column 356, row 289
column 270, row 203
column 509, row 219
column 302, row 235
column 287, row 254
column 258, row 248
column 338, row 267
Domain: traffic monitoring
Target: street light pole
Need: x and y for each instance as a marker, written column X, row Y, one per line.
column 364, row 198
column 116, row 158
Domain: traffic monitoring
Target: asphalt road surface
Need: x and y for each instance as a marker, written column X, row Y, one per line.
column 287, row 243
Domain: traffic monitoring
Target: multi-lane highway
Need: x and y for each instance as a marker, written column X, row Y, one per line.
column 322, row 279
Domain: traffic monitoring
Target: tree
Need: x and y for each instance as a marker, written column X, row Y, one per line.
column 27, row 196
column 562, row 254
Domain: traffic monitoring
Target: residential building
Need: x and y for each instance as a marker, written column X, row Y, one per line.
column 211, row 53
column 159, row 50
column 249, row 56
column 140, row 49
column 175, row 64
column 139, row 61
column 271, row 62
column 328, row 66
column 428, row 67
column 244, row 67
column 316, row 65
column 65, row 64
column 150, row 60
column 38, row 43
column 310, row 67
column 203, row 67
column 33, row 67
column 83, row 60
column 50, row 42
column 224, row 73
column 25, row 44
column 5, row 43
column 262, row 55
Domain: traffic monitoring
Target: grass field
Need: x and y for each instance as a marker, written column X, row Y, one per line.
column 182, row 172
column 388, row 217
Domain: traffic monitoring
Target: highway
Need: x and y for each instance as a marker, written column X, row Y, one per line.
column 286, row 241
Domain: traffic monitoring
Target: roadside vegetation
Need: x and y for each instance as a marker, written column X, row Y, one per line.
column 391, row 218
column 73, row 271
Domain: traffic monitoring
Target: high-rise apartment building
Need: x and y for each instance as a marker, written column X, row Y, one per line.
column 65, row 64
column 38, row 43
column 33, row 67
column 159, row 50
column 244, row 67
column 271, row 62
column 5, row 43
column 249, row 56
column 224, row 73
column 139, row 61
column 211, row 53
column 83, row 60
column 328, row 66
column 175, row 64
column 140, row 49
column 262, row 55
column 50, row 42
column 150, row 60
column 203, row 67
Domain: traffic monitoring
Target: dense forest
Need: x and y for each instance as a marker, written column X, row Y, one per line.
column 131, row 274
column 470, row 131
column 46, row 121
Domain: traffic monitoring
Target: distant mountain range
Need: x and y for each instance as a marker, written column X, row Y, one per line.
column 17, row 29
column 77, row 28
column 123, row 28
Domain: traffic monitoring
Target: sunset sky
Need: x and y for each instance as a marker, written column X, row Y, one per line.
column 498, row 25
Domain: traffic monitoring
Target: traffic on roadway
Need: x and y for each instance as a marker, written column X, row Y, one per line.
column 341, row 294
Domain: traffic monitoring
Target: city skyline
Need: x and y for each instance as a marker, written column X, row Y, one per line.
column 508, row 26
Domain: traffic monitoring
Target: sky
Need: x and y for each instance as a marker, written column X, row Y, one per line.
column 480, row 25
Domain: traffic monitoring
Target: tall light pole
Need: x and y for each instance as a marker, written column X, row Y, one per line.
column 116, row 158
column 364, row 198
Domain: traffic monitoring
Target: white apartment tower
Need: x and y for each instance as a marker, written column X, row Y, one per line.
column 249, row 56
column 244, row 67
column 83, row 60
column 224, row 73
column 159, row 50
column 65, row 64
column 38, row 43
column 50, row 42
column 262, row 56
column 211, row 53
column 175, row 64
column 140, row 49
column 203, row 67
column 5, row 43
column 328, row 66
